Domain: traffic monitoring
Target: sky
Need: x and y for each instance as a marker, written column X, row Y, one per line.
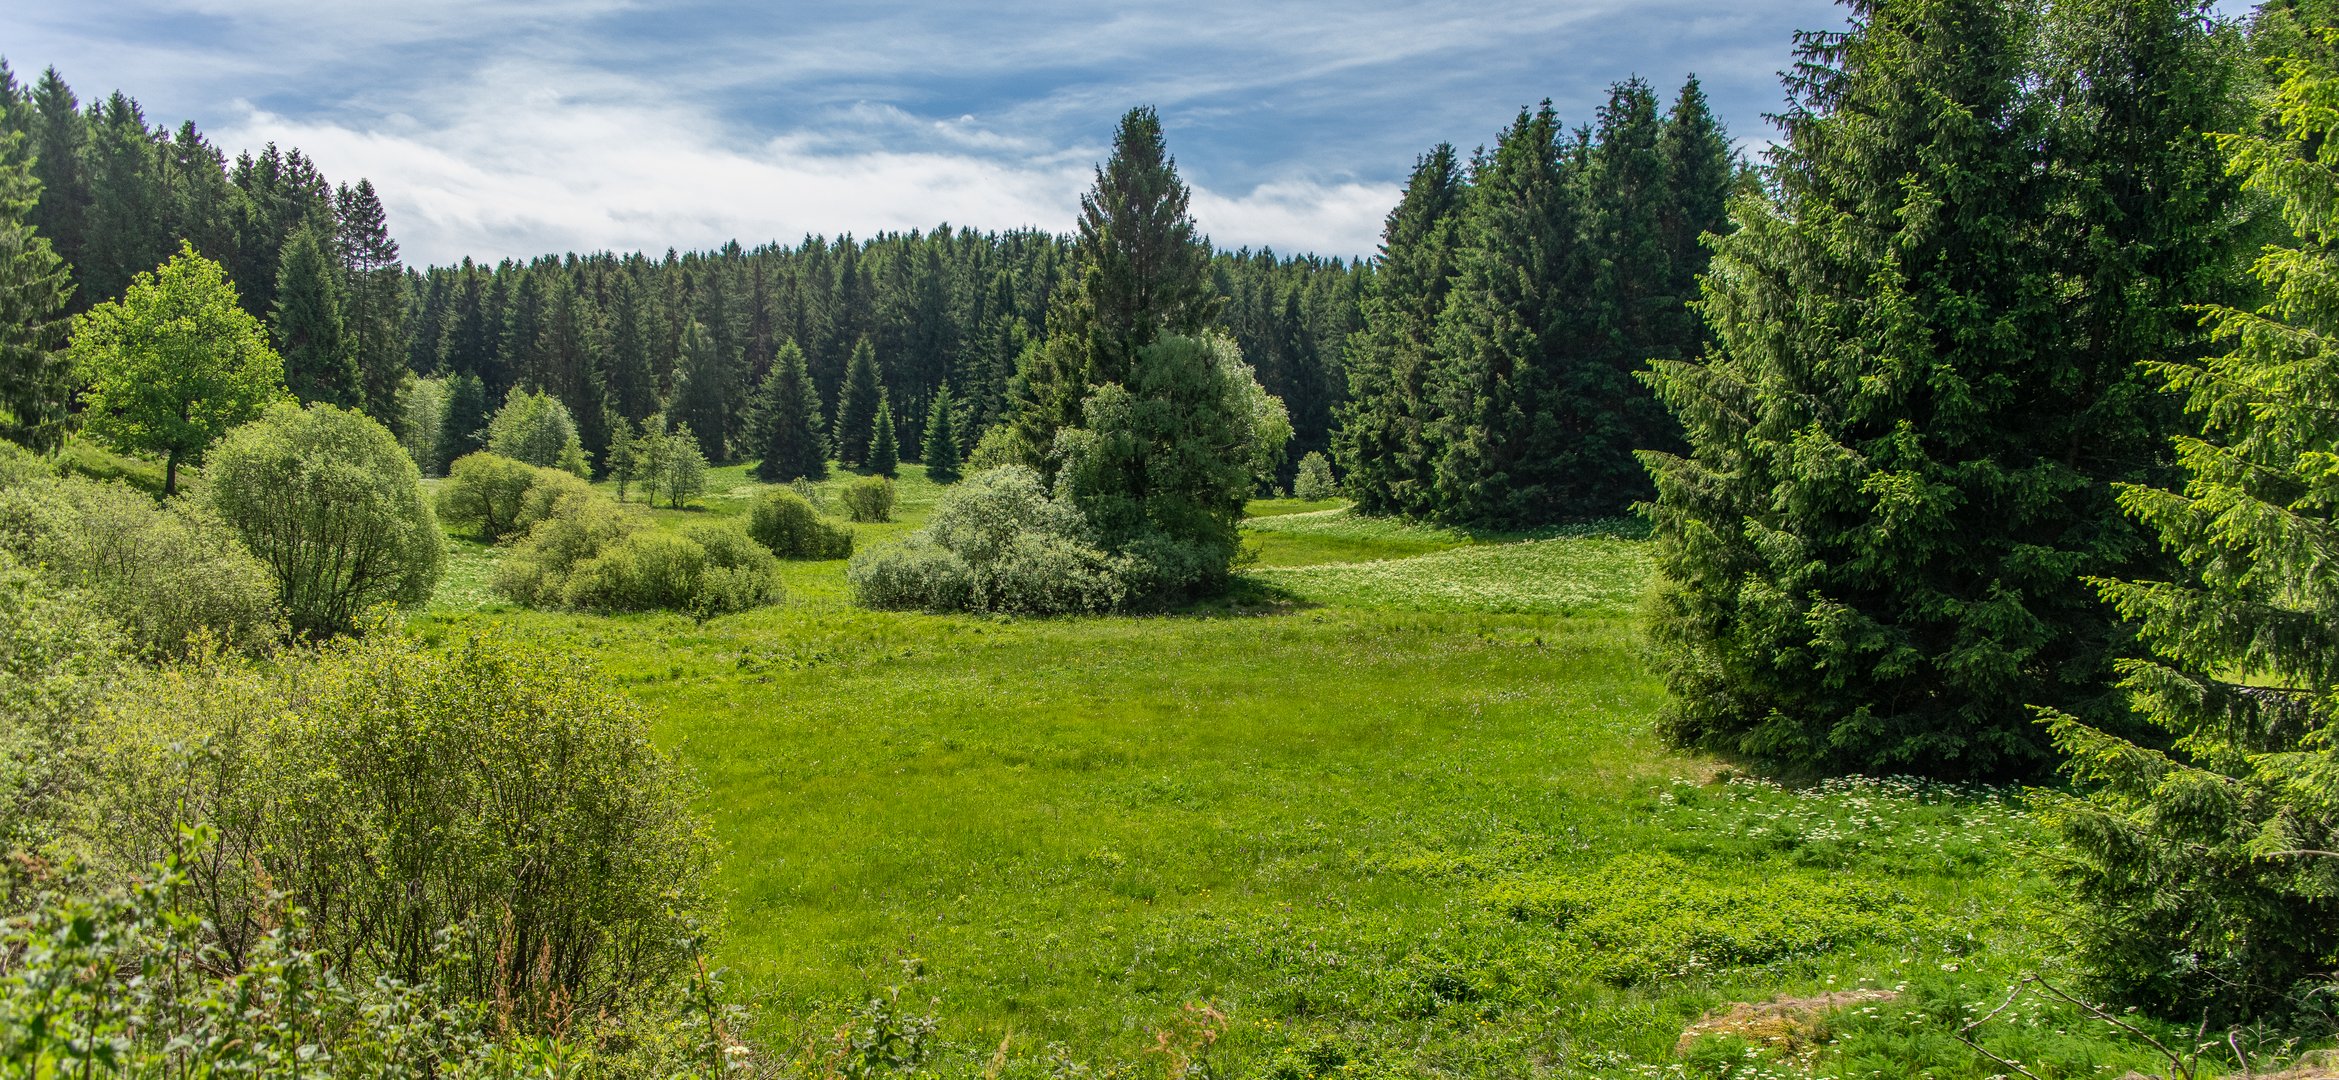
column 510, row 129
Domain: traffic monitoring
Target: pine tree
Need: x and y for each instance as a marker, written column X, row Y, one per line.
column 35, row 378
column 467, row 413
column 857, row 400
column 1904, row 440
column 1514, row 444
column 1382, row 441
column 1143, row 272
column 884, row 449
column 786, row 421
column 699, row 389
column 940, row 453
column 375, row 298
column 307, row 324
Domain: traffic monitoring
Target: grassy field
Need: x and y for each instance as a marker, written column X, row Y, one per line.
column 1396, row 809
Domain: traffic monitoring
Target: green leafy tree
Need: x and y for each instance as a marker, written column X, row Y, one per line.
column 940, row 454
column 325, row 497
column 310, row 333
column 2203, row 877
column 1383, row 437
column 1143, row 271
column 857, row 399
column 1315, row 478
column 35, row 381
column 1924, row 385
column 884, row 457
column 174, row 364
column 536, row 428
column 787, row 422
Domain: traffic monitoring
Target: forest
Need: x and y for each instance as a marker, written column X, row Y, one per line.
column 1861, row 602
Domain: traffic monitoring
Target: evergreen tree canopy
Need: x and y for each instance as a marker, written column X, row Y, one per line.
column 1924, row 383
column 701, row 389
column 856, row 415
column 173, row 364
column 466, row 417
column 2203, row 877
column 787, row 421
column 34, row 287
column 1382, row 442
column 375, row 299
column 318, row 364
column 884, row 447
column 940, row 453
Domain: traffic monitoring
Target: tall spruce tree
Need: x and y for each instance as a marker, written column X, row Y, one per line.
column 633, row 385
column 307, row 323
column 1903, row 442
column 940, row 452
column 1701, row 173
column 1382, row 441
column 59, row 142
column 1143, row 272
column 35, row 378
column 1518, row 429
column 375, row 298
column 128, row 207
column 884, row 446
column 786, row 421
column 465, row 426
column 857, row 400
column 701, row 389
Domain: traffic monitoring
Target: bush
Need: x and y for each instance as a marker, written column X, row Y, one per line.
column 787, row 524
column 869, row 498
column 1315, row 478
column 594, row 555
column 996, row 543
column 494, row 497
column 57, row 654
column 487, row 820
column 170, row 575
column 334, row 507
column 537, row 428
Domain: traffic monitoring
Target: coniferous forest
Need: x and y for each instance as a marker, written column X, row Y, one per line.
column 1855, row 598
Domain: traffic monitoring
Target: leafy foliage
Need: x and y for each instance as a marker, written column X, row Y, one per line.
column 590, row 554
column 869, row 499
column 1315, row 478
column 535, row 428
column 173, row 364
column 996, row 542
column 334, row 508
column 787, row 523
column 58, row 656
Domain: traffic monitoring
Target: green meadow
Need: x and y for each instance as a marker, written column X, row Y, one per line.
column 1396, row 806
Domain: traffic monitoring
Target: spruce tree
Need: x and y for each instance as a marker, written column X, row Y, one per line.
column 786, row 420
column 1143, row 271
column 700, row 389
column 58, row 150
column 35, row 379
column 375, row 298
column 465, row 428
column 127, row 204
column 1382, row 441
column 940, row 453
column 857, row 399
column 308, row 326
column 884, row 449
column 1514, row 445
column 1904, row 439
column 1701, row 174
column 633, row 387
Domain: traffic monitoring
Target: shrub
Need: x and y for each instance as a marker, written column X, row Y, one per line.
column 537, row 428
column 327, row 499
column 869, row 498
column 997, row 542
column 392, row 792
column 784, row 522
column 1315, row 478
column 595, row 555
column 494, row 497
column 169, row 575
column 57, row 654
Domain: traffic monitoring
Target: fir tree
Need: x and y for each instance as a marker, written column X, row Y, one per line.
column 60, row 137
column 375, row 298
column 307, row 324
column 699, row 389
column 940, row 453
column 884, row 449
column 127, row 204
column 35, row 379
column 1904, row 440
column 786, row 420
column 857, row 401
column 465, row 428
column 1143, row 272
column 1382, row 441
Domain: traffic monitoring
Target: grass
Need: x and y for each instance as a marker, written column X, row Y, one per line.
column 1410, row 817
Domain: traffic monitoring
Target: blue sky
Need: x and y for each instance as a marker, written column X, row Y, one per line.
column 511, row 129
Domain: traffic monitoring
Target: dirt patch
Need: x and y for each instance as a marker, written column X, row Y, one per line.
column 1786, row 1025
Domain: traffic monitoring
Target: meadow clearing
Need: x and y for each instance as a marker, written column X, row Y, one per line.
column 1394, row 807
